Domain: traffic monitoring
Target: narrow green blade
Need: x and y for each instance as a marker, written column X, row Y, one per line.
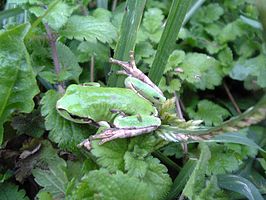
column 240, row 185
column 181, row 180
column 167, row 42
column 128, row 33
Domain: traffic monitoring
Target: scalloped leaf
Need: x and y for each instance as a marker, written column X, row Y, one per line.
column 17, row 79
column 50, row 172
column 100, row 184
column 10, row 191
column 90, row 29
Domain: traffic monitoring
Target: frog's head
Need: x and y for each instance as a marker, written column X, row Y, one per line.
column 74, row 118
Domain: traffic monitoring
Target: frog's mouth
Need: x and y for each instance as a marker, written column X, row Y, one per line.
column 77, row 119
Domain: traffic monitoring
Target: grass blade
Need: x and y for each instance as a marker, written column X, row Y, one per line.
column 102, row 4
column 181, row 179
column 166, row 45
column 128, row 33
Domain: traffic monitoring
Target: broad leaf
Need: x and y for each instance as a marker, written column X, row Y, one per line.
column 89, row 28
column 57, row 17
column 17, row 79
column 70, row 69
column 241, row 185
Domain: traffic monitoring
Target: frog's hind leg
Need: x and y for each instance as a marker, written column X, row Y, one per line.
column 114, row 133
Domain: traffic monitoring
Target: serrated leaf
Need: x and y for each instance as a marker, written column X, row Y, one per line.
column 241, row 185
column 208, row 14
column 152, row 20
column 31, row 124
column 89, row 28
column 201, row 70
column 51, row 173
column 231, row 31
column 67, row 134
column 111, row 154
column 209, row 112
column 17, row 79
column 70, row 69
column 57, row 17
column 100, row 184
column 10, row 191
column 151, row 172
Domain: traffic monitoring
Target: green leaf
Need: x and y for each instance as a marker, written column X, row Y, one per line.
column 241, row 185
column 5, row 14
column 10, row 191
column 128, row 34
column 231, row 31
column 89, row 28
column 197, row 179
column 251, row 67
column 201, row 70
column 166, row 45
column 152, row 24
column 67, row 134
column 44, row 196
column 50, row 174
column 70, row 69
column 236, row 138
column 17, row 79
column 209, row 112
column 181, row 180
column 208, row 14
column 100, row 184
column 151, row 172
column 57, row 17
column 111, row 154
column 31, row 124
column 88, row 49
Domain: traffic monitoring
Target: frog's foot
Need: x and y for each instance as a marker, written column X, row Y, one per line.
column 114, row 133
column 85, row 143
column 131, row 69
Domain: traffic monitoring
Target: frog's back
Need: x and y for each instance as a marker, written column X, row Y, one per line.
column 101, row 103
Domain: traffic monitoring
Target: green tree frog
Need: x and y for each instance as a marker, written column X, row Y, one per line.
column 126, row 112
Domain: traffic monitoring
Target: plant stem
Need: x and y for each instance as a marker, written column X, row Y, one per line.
column 52, row 40
column 178, row 107
column 114, row 5
column 192, row 10
column 232, row 99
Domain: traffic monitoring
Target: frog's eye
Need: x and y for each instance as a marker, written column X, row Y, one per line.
column 157, row 98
